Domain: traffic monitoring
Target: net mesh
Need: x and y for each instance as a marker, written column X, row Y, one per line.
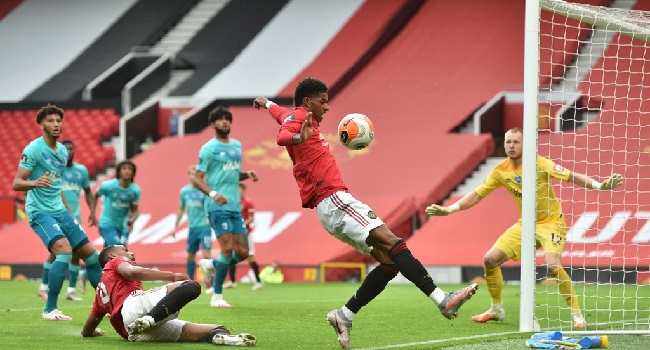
column 594, row 119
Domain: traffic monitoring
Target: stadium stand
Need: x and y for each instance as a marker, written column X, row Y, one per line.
column 87, row 128
column 367, row 31
column 8, row 6
column 142, row 25
column 626, row 149
column 41, row 52
column 561, row 48
column 418, row 85
column 223, row 38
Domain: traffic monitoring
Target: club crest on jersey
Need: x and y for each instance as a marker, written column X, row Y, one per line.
column 23, row 159
column 289, row 118
column 518, row 179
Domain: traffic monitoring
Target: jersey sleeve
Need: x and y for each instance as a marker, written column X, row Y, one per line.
column 85, row 180
column 204, row 158
column 290, row 126
column 28, row 158
column 98, row 309
column 490, row 184
column 137, row 191
column 102, row 188
column 181, row 199
column 554, row 170
column 277, row 113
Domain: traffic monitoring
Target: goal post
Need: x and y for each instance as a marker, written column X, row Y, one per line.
column 587, row 72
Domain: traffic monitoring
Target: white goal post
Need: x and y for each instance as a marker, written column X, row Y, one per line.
column 599, row 58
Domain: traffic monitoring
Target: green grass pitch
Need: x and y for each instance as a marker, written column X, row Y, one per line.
column 292, row 316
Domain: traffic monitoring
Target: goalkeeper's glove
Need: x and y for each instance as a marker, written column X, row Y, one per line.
column 437, row 210
column 612, row 182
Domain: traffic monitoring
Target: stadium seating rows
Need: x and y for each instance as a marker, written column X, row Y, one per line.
column 85, row 127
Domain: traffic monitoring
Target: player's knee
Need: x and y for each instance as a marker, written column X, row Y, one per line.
column 490, row 262
column 553, row 270
column 192, row 286
column 60, row 245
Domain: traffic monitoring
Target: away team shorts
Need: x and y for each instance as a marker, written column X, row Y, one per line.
column 223, row 222
column 197, row 236
column 348, row 219
column 50, row 227
column 139, row 303
column 112, row 235
column 549, row 235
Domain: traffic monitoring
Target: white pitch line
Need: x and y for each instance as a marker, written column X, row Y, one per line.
column 440, row 341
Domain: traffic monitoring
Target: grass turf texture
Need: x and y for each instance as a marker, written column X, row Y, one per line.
column 292, row 316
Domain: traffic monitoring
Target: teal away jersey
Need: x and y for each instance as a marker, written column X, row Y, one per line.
column 39, row 159
column 75, row 180
column 116, row 202
column 221, row 164
column 192, row 200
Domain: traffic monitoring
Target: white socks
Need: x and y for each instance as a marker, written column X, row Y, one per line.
column 437, row 296
column 347, row 313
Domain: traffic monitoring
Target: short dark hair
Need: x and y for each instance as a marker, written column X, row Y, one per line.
column 103, row 256
column 308, row 87
column 219, row 112
column 118, row 168
column 47, row 110
column 67, row 142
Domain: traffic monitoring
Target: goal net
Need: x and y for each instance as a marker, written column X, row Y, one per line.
column 594, row 119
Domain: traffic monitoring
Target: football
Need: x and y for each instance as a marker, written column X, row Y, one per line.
column 356, row 131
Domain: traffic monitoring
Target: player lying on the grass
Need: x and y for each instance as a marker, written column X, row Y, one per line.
column 550, row 233
column 150, row 315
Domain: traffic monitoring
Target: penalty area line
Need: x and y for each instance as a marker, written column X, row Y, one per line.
column 479, row 336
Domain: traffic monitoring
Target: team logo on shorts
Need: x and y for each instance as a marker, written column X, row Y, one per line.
column 57, row 227
column 372, row 215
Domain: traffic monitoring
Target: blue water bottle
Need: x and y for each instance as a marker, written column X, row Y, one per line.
column 593, row 342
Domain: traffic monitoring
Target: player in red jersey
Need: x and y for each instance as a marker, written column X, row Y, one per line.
column 343, row 216
column 248, row 214
column 151, row 315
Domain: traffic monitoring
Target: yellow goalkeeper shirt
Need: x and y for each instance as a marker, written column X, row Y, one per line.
column 504, row 174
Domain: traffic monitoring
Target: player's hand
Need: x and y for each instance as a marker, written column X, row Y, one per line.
column 129, row 225
column 437, row 210
column 220, row 199
column 307, row 129
column 612, row 182
column 43, row 181
column 252, row 175
column 176, row 277
column 173, row 233
column 260, row 102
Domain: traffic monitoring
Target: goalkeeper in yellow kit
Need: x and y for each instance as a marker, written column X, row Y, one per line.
column 550, row 233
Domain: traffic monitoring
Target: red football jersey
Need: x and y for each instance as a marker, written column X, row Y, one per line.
column 112, row 290
column 314, row 165
column 247, row 210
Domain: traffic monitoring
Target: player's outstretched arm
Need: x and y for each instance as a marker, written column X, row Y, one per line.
column 585, row 181
column 261, row 102
column 90, row 327
column 137, row 273
column 469, row 200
